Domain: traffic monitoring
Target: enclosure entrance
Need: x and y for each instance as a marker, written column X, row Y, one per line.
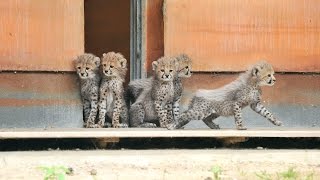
column 107, row 27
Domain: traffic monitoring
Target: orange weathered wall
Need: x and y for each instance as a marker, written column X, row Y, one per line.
column 40, row 35
column 153, row 32
column 228, row 35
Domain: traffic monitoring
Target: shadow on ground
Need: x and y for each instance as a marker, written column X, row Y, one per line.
column 159, row 143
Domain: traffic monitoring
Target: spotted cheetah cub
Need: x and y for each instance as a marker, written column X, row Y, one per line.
column 87, row 66
column 228, row 100
column 112, row 104
column 184, row 63
column 184, row 71
column 151, row 107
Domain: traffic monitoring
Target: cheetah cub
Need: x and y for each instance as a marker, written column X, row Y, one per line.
column 151, row 107
column 228, row 100
column 184, row 71
column 112, row 104
column 184, row 63
column 87, row 66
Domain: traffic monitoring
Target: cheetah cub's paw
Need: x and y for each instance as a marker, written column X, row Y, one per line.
column 242, row 128
column 108, row 125
column 121, row 125
column 278, row 123
column 171, row 126
column 91, row 125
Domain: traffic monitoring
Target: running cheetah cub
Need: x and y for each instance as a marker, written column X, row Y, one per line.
column 228, row 100
column 184, row 63
column 87, row 66
column 112, row 104
column 151, row 107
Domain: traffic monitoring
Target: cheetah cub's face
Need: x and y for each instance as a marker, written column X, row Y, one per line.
column 184, row 65
column 165, row 68
column 87, row 66
column 113, row 64
column 264, row 74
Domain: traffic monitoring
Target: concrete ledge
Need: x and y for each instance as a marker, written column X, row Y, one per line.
column 155, row 133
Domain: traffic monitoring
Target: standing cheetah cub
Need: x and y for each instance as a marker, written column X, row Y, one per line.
column 87, row 66
column 228, row 100
column 151, row 107
column 184, row 63
column 112, row 104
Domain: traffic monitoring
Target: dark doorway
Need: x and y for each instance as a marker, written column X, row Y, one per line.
column 107, row 27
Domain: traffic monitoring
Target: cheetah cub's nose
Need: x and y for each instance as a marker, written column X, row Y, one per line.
column 82, row 74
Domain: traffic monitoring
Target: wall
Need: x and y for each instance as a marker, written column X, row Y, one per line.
column 38, row 39
column 228, row 35
column 40, row 35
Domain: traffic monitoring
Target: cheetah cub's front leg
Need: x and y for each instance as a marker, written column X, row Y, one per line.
column 260, row 109
column 102, row 107
column 117, row 109
column 93, row 112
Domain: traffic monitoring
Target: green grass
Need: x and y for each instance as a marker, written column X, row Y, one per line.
column 54, row 172
column 290, row 174
column 263, row 175
column 216, row 170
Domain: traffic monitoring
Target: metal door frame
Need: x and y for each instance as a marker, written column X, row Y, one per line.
column 137, row 40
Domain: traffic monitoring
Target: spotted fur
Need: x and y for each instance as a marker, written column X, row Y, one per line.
column 112, row 105
column 228, row 100
column 184, row 63
column 151, row 106
column 87, row 67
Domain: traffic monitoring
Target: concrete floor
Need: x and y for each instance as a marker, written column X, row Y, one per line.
column 162, row 164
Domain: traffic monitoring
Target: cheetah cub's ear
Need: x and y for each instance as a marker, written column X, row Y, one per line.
column 97, row 61
column 123, row 62
column 176, row 64
column 154, row 65
column 256, row 70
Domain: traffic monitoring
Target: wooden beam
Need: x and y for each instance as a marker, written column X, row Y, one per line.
column 154, row 133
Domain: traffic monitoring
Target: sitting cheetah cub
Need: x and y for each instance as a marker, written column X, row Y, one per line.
column 151, row 107
column 228, row 100
column 184, row 71
column 112, row 104
column 87, row 66
column 136, row 87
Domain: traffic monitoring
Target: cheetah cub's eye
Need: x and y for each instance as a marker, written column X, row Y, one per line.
column 269, row 75
column 104, row 65
column 87, row 68
column 111, row 66
column 162, row 70
column 170, row 70
column 79, row 68
column 187, row 67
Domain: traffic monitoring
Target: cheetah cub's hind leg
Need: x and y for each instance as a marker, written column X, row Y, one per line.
column 209, row 121
column 137, row 116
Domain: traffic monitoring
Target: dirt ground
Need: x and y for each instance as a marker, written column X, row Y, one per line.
column 164, row 164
